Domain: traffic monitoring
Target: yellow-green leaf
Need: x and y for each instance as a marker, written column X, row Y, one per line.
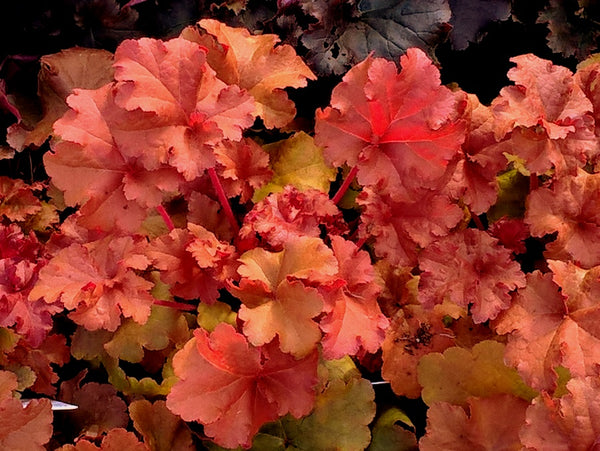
column 299, row 162
column 459, row 373
column 209, row 316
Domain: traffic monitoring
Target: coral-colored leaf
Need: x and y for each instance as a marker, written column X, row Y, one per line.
column 570, row 207
column 489, row 423
column 303, row 258
column 275, row 297
column 244, row 167
column 353, row 320
column 97, row 280
column 543, row 322
column 173, row 80
column 549, row 117
column 469, row 268
column 193, row 110
column 59, row 75
column 8, row 383
column 401, row 130
column 28, row 428
column 234, row 388
column 94, row 164
column 287, row 313
column 257, row 64
column 292, row 213
column 474, row 178
column 401, row 228
column 569, row 422
column 117, row 439
column 190, row 261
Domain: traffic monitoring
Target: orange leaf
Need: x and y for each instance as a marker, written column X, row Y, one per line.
column 257, row 64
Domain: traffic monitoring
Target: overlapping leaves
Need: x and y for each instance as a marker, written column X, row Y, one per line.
column 153, row 160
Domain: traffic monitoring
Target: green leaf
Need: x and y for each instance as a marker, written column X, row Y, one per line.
column 459, row 373
column 393, row 431
column 164, row 326
column 209, row 316
column 299, row 162
column 340, row 419
column 131, row 386
column 513, row 189
column 344, row 408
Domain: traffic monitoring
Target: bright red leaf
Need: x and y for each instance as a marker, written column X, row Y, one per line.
column 511, row 233
column 400, row 129
column 21, row 258
column 470, row 269
column 234, row 388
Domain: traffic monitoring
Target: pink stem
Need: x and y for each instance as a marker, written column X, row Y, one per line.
column 163, row 213
column 476, row 220
column 214, row 178
column 349, row 179
column 360, row 244
column 177, row 305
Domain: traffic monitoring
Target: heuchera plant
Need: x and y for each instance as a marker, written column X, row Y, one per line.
column 216, row 286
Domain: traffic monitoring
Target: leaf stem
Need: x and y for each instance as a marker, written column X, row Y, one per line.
column 349, row 179
column 176, row 305
column 360, row 244
column 163, row 213
column 534, row 183
column 214, row 178
column 476, row 220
